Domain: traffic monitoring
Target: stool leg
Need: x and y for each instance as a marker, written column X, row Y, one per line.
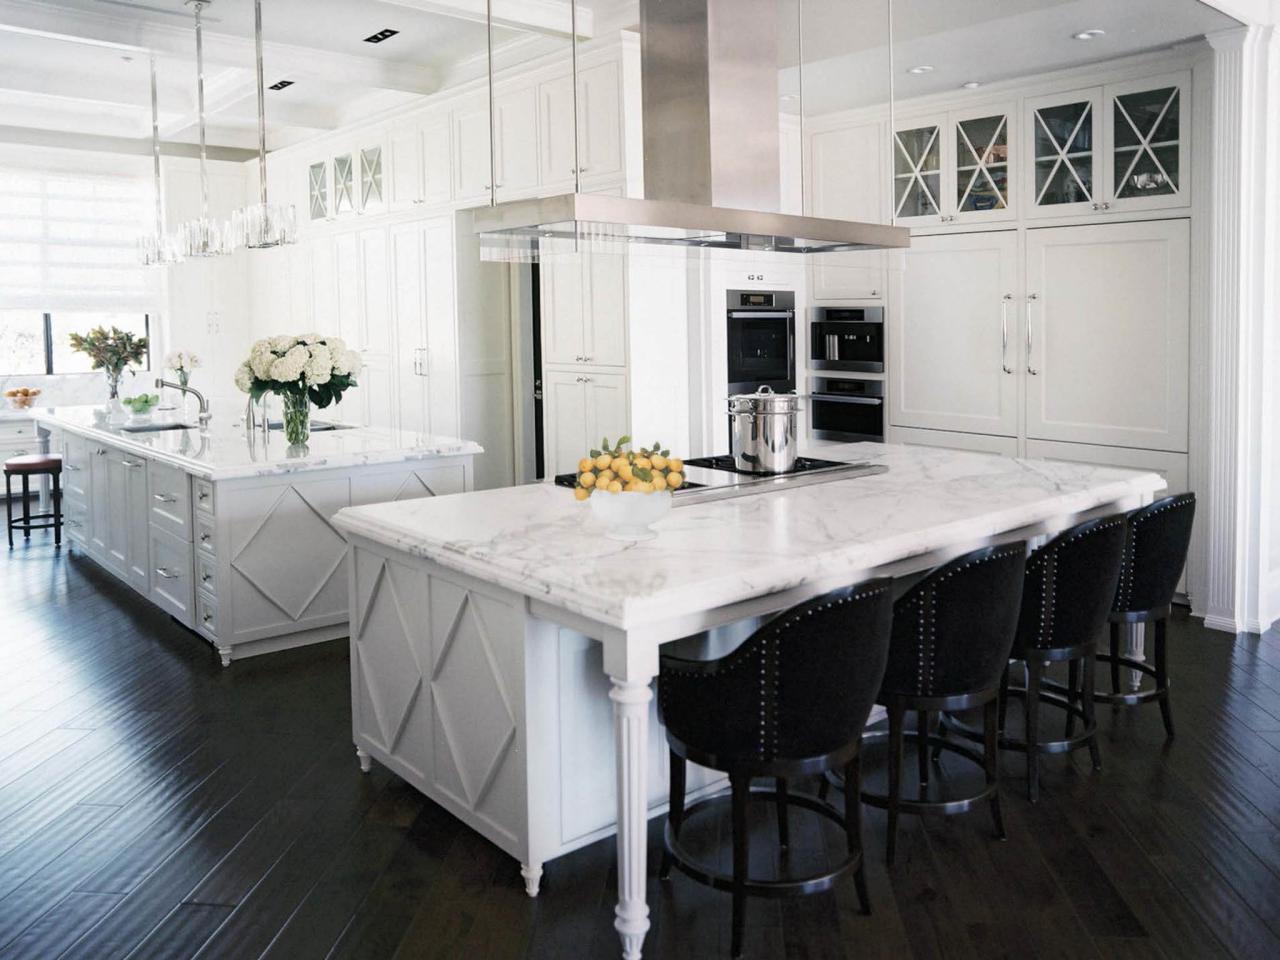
column 991, row 758
column 922, row 750
column 1115, row 658
column 784, row 837
column 896, row 716
column 1162, row 674
column 1087, row 705
column 26, row 507
column 853, row 827
column 1004, row 700
column 675, row 810
column 8, row 506
column 1034, row 668
column 740, row 787
column 1073, row 696
column 824, row 788
column 57, row 510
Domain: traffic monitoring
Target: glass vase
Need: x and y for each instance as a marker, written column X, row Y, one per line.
column 113, row 384
column 297, row 419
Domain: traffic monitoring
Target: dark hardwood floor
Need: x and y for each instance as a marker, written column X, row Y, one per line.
column 155, row 805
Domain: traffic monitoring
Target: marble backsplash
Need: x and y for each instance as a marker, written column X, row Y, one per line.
column 65, row 390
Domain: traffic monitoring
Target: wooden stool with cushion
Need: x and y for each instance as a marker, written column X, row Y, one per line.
column 26, row 467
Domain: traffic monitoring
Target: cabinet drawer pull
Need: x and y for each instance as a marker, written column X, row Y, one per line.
column 132, row 464
column 204, row 538
column 70, row 468
column 165, row 497
column 101, row 451
column 206, row 577
column 208, row 617
column 202, row 495
column 166, row 574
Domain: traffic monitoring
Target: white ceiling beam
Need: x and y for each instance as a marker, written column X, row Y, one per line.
column 551, row 17
column 48, row 20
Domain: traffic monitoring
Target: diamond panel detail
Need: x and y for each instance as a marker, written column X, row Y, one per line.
column 291, row 526
column 475, row 716
column 391, row 673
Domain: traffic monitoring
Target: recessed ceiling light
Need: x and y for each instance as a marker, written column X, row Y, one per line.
column 1091, row 34
column 923, row 68
column 281, row 85
column 381, row 35
column 971, row 84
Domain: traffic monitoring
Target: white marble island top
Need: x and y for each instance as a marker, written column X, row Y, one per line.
column 226, row 451
column 539, row 541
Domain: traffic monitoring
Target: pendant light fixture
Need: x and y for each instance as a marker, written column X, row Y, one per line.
column 202, row 237
column 263, row 224
column 157, row 249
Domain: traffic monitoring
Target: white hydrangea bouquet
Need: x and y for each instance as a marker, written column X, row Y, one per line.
column 312, row 368
column 182, row 362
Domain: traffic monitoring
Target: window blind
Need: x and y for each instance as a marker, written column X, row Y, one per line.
column 68, row 241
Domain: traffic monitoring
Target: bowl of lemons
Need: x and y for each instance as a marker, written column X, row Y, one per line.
column 629, row 490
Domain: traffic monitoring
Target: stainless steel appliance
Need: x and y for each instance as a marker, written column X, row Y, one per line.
column 761, row 340
column 847, row 338
column 843, row 408
column 762, row 431
column 716, row 478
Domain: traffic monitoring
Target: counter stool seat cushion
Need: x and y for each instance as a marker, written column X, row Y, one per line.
column 33, row 463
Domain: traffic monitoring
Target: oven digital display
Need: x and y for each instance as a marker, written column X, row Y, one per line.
column 757, row 300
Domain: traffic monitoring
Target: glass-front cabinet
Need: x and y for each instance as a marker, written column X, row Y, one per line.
column 371, row 196
column 954, row 168
column 1110, row 149
column 318, row 190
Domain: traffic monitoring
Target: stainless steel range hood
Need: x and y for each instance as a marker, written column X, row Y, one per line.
column 711, row 151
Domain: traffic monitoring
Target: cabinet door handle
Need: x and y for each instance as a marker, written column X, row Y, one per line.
column 70, row 468
column 202, row 496
column 1004, row 333
column 131, row 464
column 165, row 497
column 208, row 617
column 1031, row 299
column 101, row 451
column 165, row 574
column 205, row 577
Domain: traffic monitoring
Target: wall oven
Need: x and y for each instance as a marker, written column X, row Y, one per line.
column 846, row 409
column 762, row 340
column 847, row 338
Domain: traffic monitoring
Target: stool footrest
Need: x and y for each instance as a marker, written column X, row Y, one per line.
column 1137, row 696
column 958, row 805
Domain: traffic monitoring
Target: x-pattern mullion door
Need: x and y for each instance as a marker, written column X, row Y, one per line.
column 1064, row 131
column 982, row 164
column 917, row 174
column 1146, row 148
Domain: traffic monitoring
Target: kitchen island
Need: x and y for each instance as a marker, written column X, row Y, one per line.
column 503, row 649
column 227, row 530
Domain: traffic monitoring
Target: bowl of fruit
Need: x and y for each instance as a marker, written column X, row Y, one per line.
column 629, row 489
column 140, row 407
column 22, row 398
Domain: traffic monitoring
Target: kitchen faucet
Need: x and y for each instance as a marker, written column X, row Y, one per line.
column 204, row 416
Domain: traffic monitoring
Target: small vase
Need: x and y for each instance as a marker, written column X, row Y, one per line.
column 113, row 384
column 297, row 419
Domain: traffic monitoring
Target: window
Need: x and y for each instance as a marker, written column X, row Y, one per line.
column 68, row 262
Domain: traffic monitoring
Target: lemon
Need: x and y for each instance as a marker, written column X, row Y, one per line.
column 617, row 465
column 626, row 473
column 644, row 462
column 581, row 493
column 633, row 486
column 674, row 479
column 604, row 477
column 646, row 486
column 603, row 461
column 588, row 479
column 659, row 482
column 615, row 486
column 659, row 461
column 675, row 465
column 585, row 464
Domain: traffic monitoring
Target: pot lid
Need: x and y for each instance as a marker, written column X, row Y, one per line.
column 764, row 400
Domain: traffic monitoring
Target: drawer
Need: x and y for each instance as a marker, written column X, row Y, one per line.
column 206, row 616
column 17, row 430
column 170, row 490
column 75, row 466
column 206, row 575
column 75, row 520
column 205, row 538
column 171, row 574
column 203, row 494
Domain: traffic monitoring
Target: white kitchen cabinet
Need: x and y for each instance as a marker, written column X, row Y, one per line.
column 371, row 180
column 1108, row 327
column 1112, row 149
column 516, row 147
column 975, row 442
column 584, row 308
column 420, row 166
column 847, row 172
column 955, row 167
column 99, row 503
column 471, row 161
column 423, row 307
column 599, row 127
column 953, row 332
column 171, row 583
column 375, row 338
column 137, row 512
column 581, row 410
column 114, row 536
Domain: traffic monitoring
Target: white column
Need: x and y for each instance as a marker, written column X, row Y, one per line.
column 1231, row 510
column 631, row 736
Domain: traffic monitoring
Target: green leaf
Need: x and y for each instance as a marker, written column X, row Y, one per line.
column 605, row 443
column 666, row 453
column 595, row 453
column 643, row 473
column 623, row 440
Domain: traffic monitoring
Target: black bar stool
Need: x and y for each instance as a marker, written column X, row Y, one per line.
column 1155, row 551
column 790, row 701
column 1069, row 586
column 26, row 467
column 952, row 633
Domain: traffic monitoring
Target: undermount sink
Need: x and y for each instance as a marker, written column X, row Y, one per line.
column 317, row 426
column 155, row 427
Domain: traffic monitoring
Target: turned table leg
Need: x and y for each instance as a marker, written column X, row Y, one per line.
column 532, row 873
column 631, row 736
column 366, row 761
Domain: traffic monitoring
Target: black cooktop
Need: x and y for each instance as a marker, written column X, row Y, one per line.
column 725, row 462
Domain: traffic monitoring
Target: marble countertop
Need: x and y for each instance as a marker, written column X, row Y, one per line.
column 539, row 541
column 226, row 451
